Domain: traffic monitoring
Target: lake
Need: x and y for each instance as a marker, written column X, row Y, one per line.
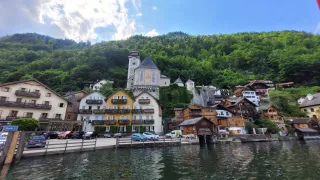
column 270, row 160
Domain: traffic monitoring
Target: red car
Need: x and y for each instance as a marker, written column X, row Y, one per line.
column 65, row 135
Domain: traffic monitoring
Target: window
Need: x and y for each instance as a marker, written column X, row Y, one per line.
column 61, row 105
column 3, row 98
column 37, row 91
column 19, row 100
column 110, row 107
column 140, row 117
column 153, row 78
column 102, row 117
column 314, row 116
column 141, row 76
column 122, row 117
column 113, row 117
column 29, row 114
column 134, row 117
column 97, row 117
column 227, row 113
column 107, row 128
column 90, row 107
column 108, row 117
column 124, row 97
column 305, row 110
column 114, row 97
column 23, row 89
column 98, row 107
column 46, row 102
column 312, row 110
column 69, row 116
column 48, row 95
column 58, row 116
column 151, row 117
column 44, row 115
column 13, row 113
column 5, row 89
column 33, row 101
column 133, row 63
column 147, row 117
column 127, row 117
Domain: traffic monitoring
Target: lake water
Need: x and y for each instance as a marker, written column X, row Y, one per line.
column 271, row 160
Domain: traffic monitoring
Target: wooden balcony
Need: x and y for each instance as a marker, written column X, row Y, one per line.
column 124, row 111
column 110, row 122
column 25, row 105
column 137, row 111
column 99, row 111
column 149, row 121
column 137, row 121
column 85, row 111
column 144, row 101
column 148, row 110
column 112, row 111
column 119, row 101
column 94, row 101
column 49, row 119
column 123, row 122
column 195, row 114
column 27, row 94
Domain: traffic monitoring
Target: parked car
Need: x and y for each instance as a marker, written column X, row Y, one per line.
column 138, row 137
column 65, row 135
column 119, row 135
column 77, row 135
column 89, row 135
column 107, row 135
column 3, row 139
column 50, row 135
column 174, row 134
column 151, row 136
column 36, row 141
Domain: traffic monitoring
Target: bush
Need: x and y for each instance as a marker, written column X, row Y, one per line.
column 271, row 126
column 129, row 129
column 100, row 128
column 26, row 124
column 141, row 129
column 113, row 129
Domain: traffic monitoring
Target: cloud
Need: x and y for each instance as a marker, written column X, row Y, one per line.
column 136, row 4
column 154, row 8
column 152, row 33
column 79, row 19
column 139, row 14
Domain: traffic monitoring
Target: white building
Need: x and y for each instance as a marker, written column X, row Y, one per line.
column 179, row 82
column 98, row 85
column 92, row 108
column 30, row 98
column 144, row 76
column 251, row 96
column 190, row 85
column 151, row 114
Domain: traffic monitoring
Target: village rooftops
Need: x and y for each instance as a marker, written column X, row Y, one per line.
column 147, row 63
column 191, row 122
column 266, row 107
column 307, row 130
column 300, row 121
column 178, row 81
column 311, row 100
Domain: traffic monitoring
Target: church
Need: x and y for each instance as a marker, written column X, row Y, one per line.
column 144, row 76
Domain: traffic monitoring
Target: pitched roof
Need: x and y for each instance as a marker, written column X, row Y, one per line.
column 145, row 91
column 241, row 99
column 147, row 63
column 300, row 121
column 163, row 76
column 129, row 95
column 307, row 130
column 178, row 81
column 191, row 122
column 266, row 107
column 27, row 80
column 313, row 102
column 189, row 80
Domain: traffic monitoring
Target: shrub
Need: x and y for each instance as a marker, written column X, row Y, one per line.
column 141, row 129
column 113, row 129
column 26, row 124
column 100, row 128
column 129, row 129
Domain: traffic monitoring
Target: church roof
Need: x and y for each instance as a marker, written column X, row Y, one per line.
column 178, row 81
column 189, row 80
column 147, row 63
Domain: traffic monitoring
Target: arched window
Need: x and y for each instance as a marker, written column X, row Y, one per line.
column 153, row 78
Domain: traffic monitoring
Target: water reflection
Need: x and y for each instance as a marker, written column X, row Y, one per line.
column 273, row 160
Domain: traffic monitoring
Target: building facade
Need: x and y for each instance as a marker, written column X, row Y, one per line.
column 118, row 112
column 146, row 114
column 92, row 108
column 242, row 107
column 73, row 99
column 272, row 112
column 311, row 105
column 32, row 99
column 144, row 76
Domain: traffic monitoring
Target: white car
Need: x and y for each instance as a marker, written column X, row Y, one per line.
column 174, row 134
column 151, row 136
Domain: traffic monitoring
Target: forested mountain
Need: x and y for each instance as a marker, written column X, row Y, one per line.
column 221, row 60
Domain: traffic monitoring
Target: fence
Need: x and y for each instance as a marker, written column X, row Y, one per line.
column 63, row 147
column 162, row 141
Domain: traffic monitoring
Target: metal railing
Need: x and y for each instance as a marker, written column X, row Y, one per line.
column 94, row 101
column 144, row 101
column 119, row 101
column 99, row 111
column 27, row 94
column 85, row 111
column 25, row 105
column 161, row 141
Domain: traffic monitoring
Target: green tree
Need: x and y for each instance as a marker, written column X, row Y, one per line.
column 106, row 89
column 26, row 124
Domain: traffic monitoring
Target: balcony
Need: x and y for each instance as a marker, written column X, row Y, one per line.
column 137, row 111
column 27, row 94
column 10, row 118
column 119, row 101
column 49, row 119
column 97, row 122
column 99, row 111
column 25, row 105
column 137, row 121
column 112, row 111
column 85, row 111
column 110, row 122
column 144, row 101
column 123, row 122
column 124, row 111
column 195, row 114
column 148, row 110
column 148, row 121
column 94, row 101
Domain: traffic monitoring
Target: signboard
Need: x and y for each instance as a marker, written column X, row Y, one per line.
column 10, row 128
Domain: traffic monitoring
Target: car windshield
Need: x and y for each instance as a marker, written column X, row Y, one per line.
column 147, row 133
column 172, row 132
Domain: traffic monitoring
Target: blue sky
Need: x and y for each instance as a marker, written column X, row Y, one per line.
column 97, row 20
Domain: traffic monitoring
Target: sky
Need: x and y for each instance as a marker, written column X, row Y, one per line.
column 104, row 20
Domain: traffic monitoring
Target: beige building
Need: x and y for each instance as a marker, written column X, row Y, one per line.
column 311, row 105
column 31, row 98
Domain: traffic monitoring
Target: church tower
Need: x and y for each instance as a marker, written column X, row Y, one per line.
column 134, row 62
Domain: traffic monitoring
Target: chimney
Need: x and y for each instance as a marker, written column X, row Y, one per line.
column 309, row 97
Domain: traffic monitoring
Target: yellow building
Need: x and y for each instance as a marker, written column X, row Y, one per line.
column 118, row 110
